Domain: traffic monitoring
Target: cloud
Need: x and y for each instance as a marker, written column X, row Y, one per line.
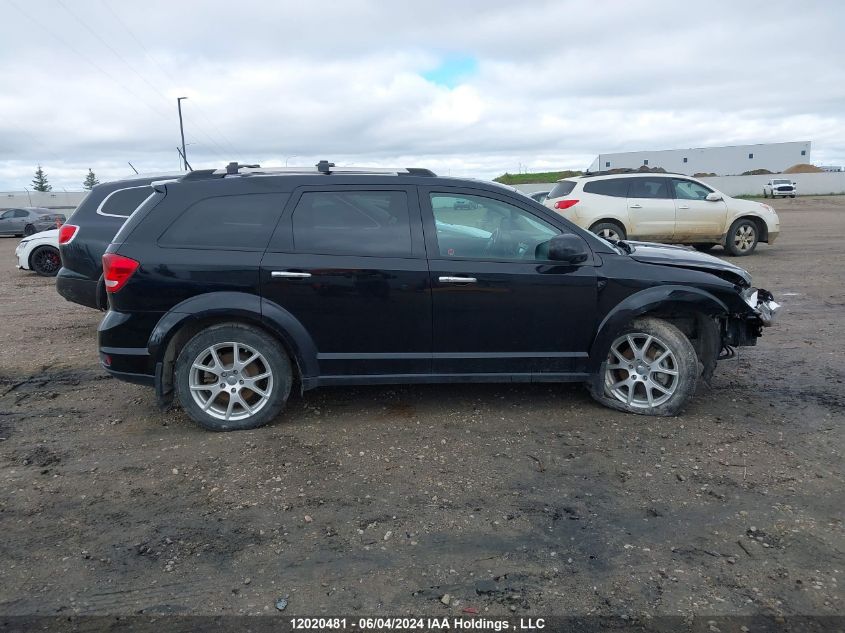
column 467, row 88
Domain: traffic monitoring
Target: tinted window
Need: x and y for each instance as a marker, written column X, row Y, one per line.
column 353, row 223
column 563, row 188
column 7, row 214
column 649, row 188
column 124, row 201
column 226, row 222
column 689, row 190
column 616, row 187
column 20, row 213
column 484, row 228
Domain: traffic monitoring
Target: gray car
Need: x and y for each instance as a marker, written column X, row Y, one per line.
column 28, row 220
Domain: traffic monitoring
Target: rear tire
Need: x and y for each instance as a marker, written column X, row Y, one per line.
column 651, row 369
column 29, row 230
column 742, row 237
column 609, row 230
column 45, row 261
column 220, row 394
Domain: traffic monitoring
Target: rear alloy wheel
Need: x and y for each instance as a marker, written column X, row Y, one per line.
column 45, row 261
column 651, row 369
column 231, row 377
column 609, row 231
column 29, row 230
column 742, row 237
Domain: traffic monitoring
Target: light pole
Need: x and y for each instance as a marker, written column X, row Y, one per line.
column 182, row 131
column 289, row 157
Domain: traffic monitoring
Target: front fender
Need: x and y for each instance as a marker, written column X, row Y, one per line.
column 664, row 298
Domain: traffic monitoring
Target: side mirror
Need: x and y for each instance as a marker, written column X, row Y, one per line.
column 568, row 248
column 714, row 196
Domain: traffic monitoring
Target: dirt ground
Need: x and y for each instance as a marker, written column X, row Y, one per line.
column 513, row 499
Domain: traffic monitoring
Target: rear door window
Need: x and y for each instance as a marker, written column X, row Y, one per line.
column 123, row 202
column 242, row 222
column 368, row 223
column 649, row 188
column 616, row 187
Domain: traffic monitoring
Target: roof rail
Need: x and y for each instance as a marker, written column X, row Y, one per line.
column 621, row 171
column 323, row 167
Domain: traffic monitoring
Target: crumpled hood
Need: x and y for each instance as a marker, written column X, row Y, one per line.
column 683, row 257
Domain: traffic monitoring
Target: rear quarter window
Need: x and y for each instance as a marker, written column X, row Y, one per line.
column 615, row 187
column 240, row 222
column 123, row 202
column 562, row 188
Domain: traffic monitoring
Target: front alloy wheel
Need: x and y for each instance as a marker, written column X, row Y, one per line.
column 742, row 238
column 45, row 261
column 651, row 369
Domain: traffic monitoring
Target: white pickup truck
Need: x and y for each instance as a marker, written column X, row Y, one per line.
column 780, row 187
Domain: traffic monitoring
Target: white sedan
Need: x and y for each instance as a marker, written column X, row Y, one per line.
column 40, row 253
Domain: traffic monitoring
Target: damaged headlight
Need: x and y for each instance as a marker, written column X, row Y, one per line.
column 762, row 302
column 750, row 295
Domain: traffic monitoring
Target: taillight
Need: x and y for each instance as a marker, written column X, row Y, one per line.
column 565, row 204
column 117, row 270
column 67, row 232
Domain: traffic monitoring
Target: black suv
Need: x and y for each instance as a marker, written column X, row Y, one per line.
column 228, row 287
column 89, row 230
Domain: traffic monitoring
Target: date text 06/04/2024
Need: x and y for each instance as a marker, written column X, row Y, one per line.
column 416, row 624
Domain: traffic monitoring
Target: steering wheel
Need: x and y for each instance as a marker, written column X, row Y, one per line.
column 493, row 241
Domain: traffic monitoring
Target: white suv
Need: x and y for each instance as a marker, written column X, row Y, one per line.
column 669, row 208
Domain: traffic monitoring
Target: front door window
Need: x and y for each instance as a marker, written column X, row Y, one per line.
column 476, row 227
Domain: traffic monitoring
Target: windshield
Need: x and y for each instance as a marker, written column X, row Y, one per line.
column 782, row 182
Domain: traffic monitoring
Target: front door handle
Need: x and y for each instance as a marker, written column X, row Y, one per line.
column 635, row 206
column 683, row 206
column 289, row 274
column 457, row 280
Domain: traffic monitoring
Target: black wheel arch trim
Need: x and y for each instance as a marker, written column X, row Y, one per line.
column 669, row 297
column 234, row 306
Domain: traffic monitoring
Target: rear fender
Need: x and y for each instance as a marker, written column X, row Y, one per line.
column 229, row 306
column 681, row 299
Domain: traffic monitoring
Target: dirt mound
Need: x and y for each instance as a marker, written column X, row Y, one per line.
column 757, row 172
column 803, row 168
column 703, row 174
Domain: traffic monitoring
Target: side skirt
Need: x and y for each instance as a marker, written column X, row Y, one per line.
column 399, row 379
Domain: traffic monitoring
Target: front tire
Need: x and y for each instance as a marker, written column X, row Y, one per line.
column 742, row 237
column 651, row 369
column 232, row 377
column 45, row 261
column 609, row 230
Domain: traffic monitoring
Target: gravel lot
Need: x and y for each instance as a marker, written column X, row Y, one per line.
column 515, row 499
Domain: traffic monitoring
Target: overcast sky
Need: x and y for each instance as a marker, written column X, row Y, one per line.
column 462, row 87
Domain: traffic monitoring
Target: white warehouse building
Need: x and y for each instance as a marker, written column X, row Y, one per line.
column 730, row 160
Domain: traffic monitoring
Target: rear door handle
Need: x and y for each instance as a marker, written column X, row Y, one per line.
column 683, row 206
column 289, row 274
column 457, row 280
column 635, row 206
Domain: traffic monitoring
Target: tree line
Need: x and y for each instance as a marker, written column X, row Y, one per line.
column 40, row 182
